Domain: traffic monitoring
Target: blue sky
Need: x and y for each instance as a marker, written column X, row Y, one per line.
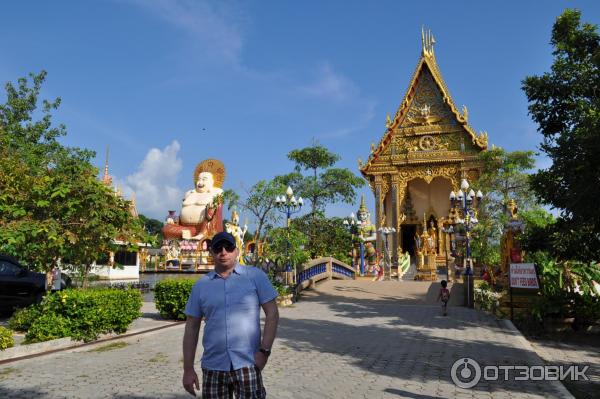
column 167, row 84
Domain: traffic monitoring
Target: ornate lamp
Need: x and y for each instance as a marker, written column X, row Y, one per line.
column 465, row 204
column 288, row 204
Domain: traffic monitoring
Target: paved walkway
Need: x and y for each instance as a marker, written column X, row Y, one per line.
column 574, row 349
column 348, row 340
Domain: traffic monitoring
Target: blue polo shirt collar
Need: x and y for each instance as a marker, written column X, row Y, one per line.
column 238, row 269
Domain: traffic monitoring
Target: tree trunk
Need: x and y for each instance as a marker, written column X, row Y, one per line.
column 86, row 272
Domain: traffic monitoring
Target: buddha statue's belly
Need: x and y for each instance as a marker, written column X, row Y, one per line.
column 192, row 214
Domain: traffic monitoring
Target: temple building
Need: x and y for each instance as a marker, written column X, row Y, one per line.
column 426, row 149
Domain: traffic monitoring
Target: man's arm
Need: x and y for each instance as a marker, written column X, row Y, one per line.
column 271, row 321
column 190, row 343
column 270, row 330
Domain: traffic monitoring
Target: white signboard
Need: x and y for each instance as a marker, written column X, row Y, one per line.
column 523, row 275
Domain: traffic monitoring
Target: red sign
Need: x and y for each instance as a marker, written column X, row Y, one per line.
column 523, row 275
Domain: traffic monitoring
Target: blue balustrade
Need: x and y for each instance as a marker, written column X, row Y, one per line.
column 339, row 269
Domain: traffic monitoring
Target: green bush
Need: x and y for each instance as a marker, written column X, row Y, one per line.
column 23, row 318
column 48, row 326
column 487, row 298
column 6, row 338
column 278, row 285
column 171, row 295
column 84, row 314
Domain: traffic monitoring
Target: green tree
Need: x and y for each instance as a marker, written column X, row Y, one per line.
column 286, row 244
column 96, row 220
column 153, row 228
column 565, row 103
column 52, row 206
column 324, row 185
column 260, row 202
column 331, row 237
column 504, row 176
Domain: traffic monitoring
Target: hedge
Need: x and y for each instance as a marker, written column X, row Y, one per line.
column 81, row 314
column 23, row 318
column 6, row 338
column 171, row 295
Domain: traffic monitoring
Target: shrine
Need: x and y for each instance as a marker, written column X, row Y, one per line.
column 427, row 148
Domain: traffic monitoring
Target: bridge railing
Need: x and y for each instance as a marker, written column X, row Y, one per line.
column 323, row 268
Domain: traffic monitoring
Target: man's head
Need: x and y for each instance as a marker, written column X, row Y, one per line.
column 205, row 182
column 223, row 250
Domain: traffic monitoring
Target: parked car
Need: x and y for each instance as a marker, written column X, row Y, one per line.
column 20, row 287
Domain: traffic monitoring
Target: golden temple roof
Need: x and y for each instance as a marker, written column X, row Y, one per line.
column 424, row 120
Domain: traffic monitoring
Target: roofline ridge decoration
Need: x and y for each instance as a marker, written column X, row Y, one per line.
column 427, row 57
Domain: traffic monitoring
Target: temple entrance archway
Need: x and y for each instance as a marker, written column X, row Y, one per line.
column 409, row 232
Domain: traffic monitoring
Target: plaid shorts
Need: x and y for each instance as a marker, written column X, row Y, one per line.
column 246, row 383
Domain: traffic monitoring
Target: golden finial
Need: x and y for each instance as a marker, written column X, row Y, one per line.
column 388, row 121
column 427, row 41
column 106, row 179
column 372, row 148
column 360, row 163
column 465, row 113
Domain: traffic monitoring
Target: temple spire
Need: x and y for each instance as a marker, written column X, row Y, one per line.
column 428, row 41
column 106, row 179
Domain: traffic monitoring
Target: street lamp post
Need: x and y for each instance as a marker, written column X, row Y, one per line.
column 353, row 227
column 467, row 203
column 386, row 231
column 288, row 205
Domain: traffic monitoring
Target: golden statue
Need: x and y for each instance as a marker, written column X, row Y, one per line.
column 238, row 233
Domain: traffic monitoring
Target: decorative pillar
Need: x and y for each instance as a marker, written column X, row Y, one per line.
column 398, row 190
column 378, row 208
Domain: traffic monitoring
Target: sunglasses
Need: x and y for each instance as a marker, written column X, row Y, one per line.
column 219, row 247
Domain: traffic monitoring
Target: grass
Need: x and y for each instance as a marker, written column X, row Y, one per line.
column 158, row 358
column 110, row 347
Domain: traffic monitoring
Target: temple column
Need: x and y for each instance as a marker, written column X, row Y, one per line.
column 378, row 209
column 398, row 190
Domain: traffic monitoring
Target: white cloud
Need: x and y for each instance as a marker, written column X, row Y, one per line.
column 330, row 84
column 211, row 25
column 154, row 182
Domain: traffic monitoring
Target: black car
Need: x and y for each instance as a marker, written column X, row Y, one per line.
column 20, row 287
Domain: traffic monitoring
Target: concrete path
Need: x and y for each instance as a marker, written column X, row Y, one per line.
column 346, row 340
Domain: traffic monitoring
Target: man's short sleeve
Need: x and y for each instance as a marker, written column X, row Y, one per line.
column 266, row 292
column 193, row 306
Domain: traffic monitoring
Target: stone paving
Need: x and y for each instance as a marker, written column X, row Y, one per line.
column 576, row 349
column 347, row 339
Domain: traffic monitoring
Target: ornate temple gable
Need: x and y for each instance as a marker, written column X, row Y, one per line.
column 428, row 127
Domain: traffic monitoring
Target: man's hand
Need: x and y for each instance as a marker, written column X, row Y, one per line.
column 190, row 380
column 260, row 359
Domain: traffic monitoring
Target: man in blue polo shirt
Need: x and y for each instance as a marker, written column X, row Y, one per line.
column 229, row 300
